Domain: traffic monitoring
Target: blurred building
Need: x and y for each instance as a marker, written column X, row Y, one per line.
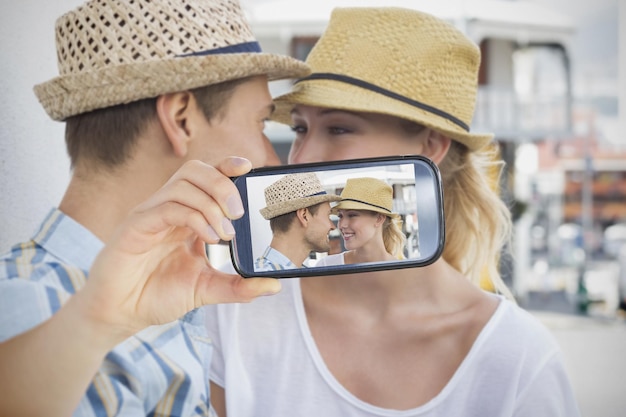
column 589, row 168
column 577, row 213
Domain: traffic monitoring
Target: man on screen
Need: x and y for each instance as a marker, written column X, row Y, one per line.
column 298, row 209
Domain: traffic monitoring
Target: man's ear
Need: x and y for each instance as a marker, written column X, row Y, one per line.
column 174, row 111
column 436, row 146
column 303, row 216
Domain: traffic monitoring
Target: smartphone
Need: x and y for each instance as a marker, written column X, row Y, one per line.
column 417, row 200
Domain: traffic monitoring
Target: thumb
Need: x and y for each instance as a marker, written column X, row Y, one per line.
column 234, row 166
column 221, row 287
column 250, row 288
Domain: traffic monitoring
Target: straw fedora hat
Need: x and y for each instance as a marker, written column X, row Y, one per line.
column 367, row 194
column 293, row 192
column 393, row 61
column 115, row 52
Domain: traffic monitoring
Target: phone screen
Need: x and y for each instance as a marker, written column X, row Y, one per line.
column 415, row 203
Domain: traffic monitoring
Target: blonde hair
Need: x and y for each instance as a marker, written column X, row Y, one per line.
column 478, row 223
column 393, row 238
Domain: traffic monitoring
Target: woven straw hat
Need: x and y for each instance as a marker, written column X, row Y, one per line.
column 118, row 51
column 293, row 192
column 367, row 194
column 393, row 61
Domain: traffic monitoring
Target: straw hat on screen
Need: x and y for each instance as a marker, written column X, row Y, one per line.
column 293, row 192
column 114, row 52
column 367, row 194
column 393, row 61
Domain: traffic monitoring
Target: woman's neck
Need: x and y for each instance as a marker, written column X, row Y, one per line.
column 423, row 288
column 434, row 289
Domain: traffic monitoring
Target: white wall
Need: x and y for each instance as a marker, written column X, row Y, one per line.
column 34, row 167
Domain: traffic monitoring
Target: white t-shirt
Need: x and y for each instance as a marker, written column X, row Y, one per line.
column 267, row 361
column 336, row 259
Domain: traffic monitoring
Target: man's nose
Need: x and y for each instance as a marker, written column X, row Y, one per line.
column 271, row 157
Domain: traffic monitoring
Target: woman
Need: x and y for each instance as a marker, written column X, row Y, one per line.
column 367, row 224
column 410, row 342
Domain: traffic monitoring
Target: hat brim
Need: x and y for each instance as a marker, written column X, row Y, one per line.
column 285, row 207
column 69, row 95
column 338, row 95
column 355, row 205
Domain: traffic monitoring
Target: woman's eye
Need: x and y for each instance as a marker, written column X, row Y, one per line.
column 335, row 130
column 299, row 129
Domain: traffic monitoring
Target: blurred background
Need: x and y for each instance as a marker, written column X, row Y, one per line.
column 552, row 87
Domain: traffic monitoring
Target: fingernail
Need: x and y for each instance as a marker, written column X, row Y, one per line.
column 238, row 161
column 228, row 227
column 212, row 233
column 234, row 206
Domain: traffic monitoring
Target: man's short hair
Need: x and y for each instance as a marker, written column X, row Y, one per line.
column 106, row 137
column 282, row 223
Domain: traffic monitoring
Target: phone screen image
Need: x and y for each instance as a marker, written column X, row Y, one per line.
column 411, row 195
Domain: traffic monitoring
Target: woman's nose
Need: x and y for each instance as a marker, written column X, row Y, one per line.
column 307, row 150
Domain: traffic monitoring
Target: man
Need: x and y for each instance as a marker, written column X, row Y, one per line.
column 299, row 213
column 156, row 96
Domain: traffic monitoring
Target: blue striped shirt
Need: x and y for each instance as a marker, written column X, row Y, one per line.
column 272, row 260
column 161, row 371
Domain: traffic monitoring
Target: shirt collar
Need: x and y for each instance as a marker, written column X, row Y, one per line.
column 68, row 240
column 278, row 258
